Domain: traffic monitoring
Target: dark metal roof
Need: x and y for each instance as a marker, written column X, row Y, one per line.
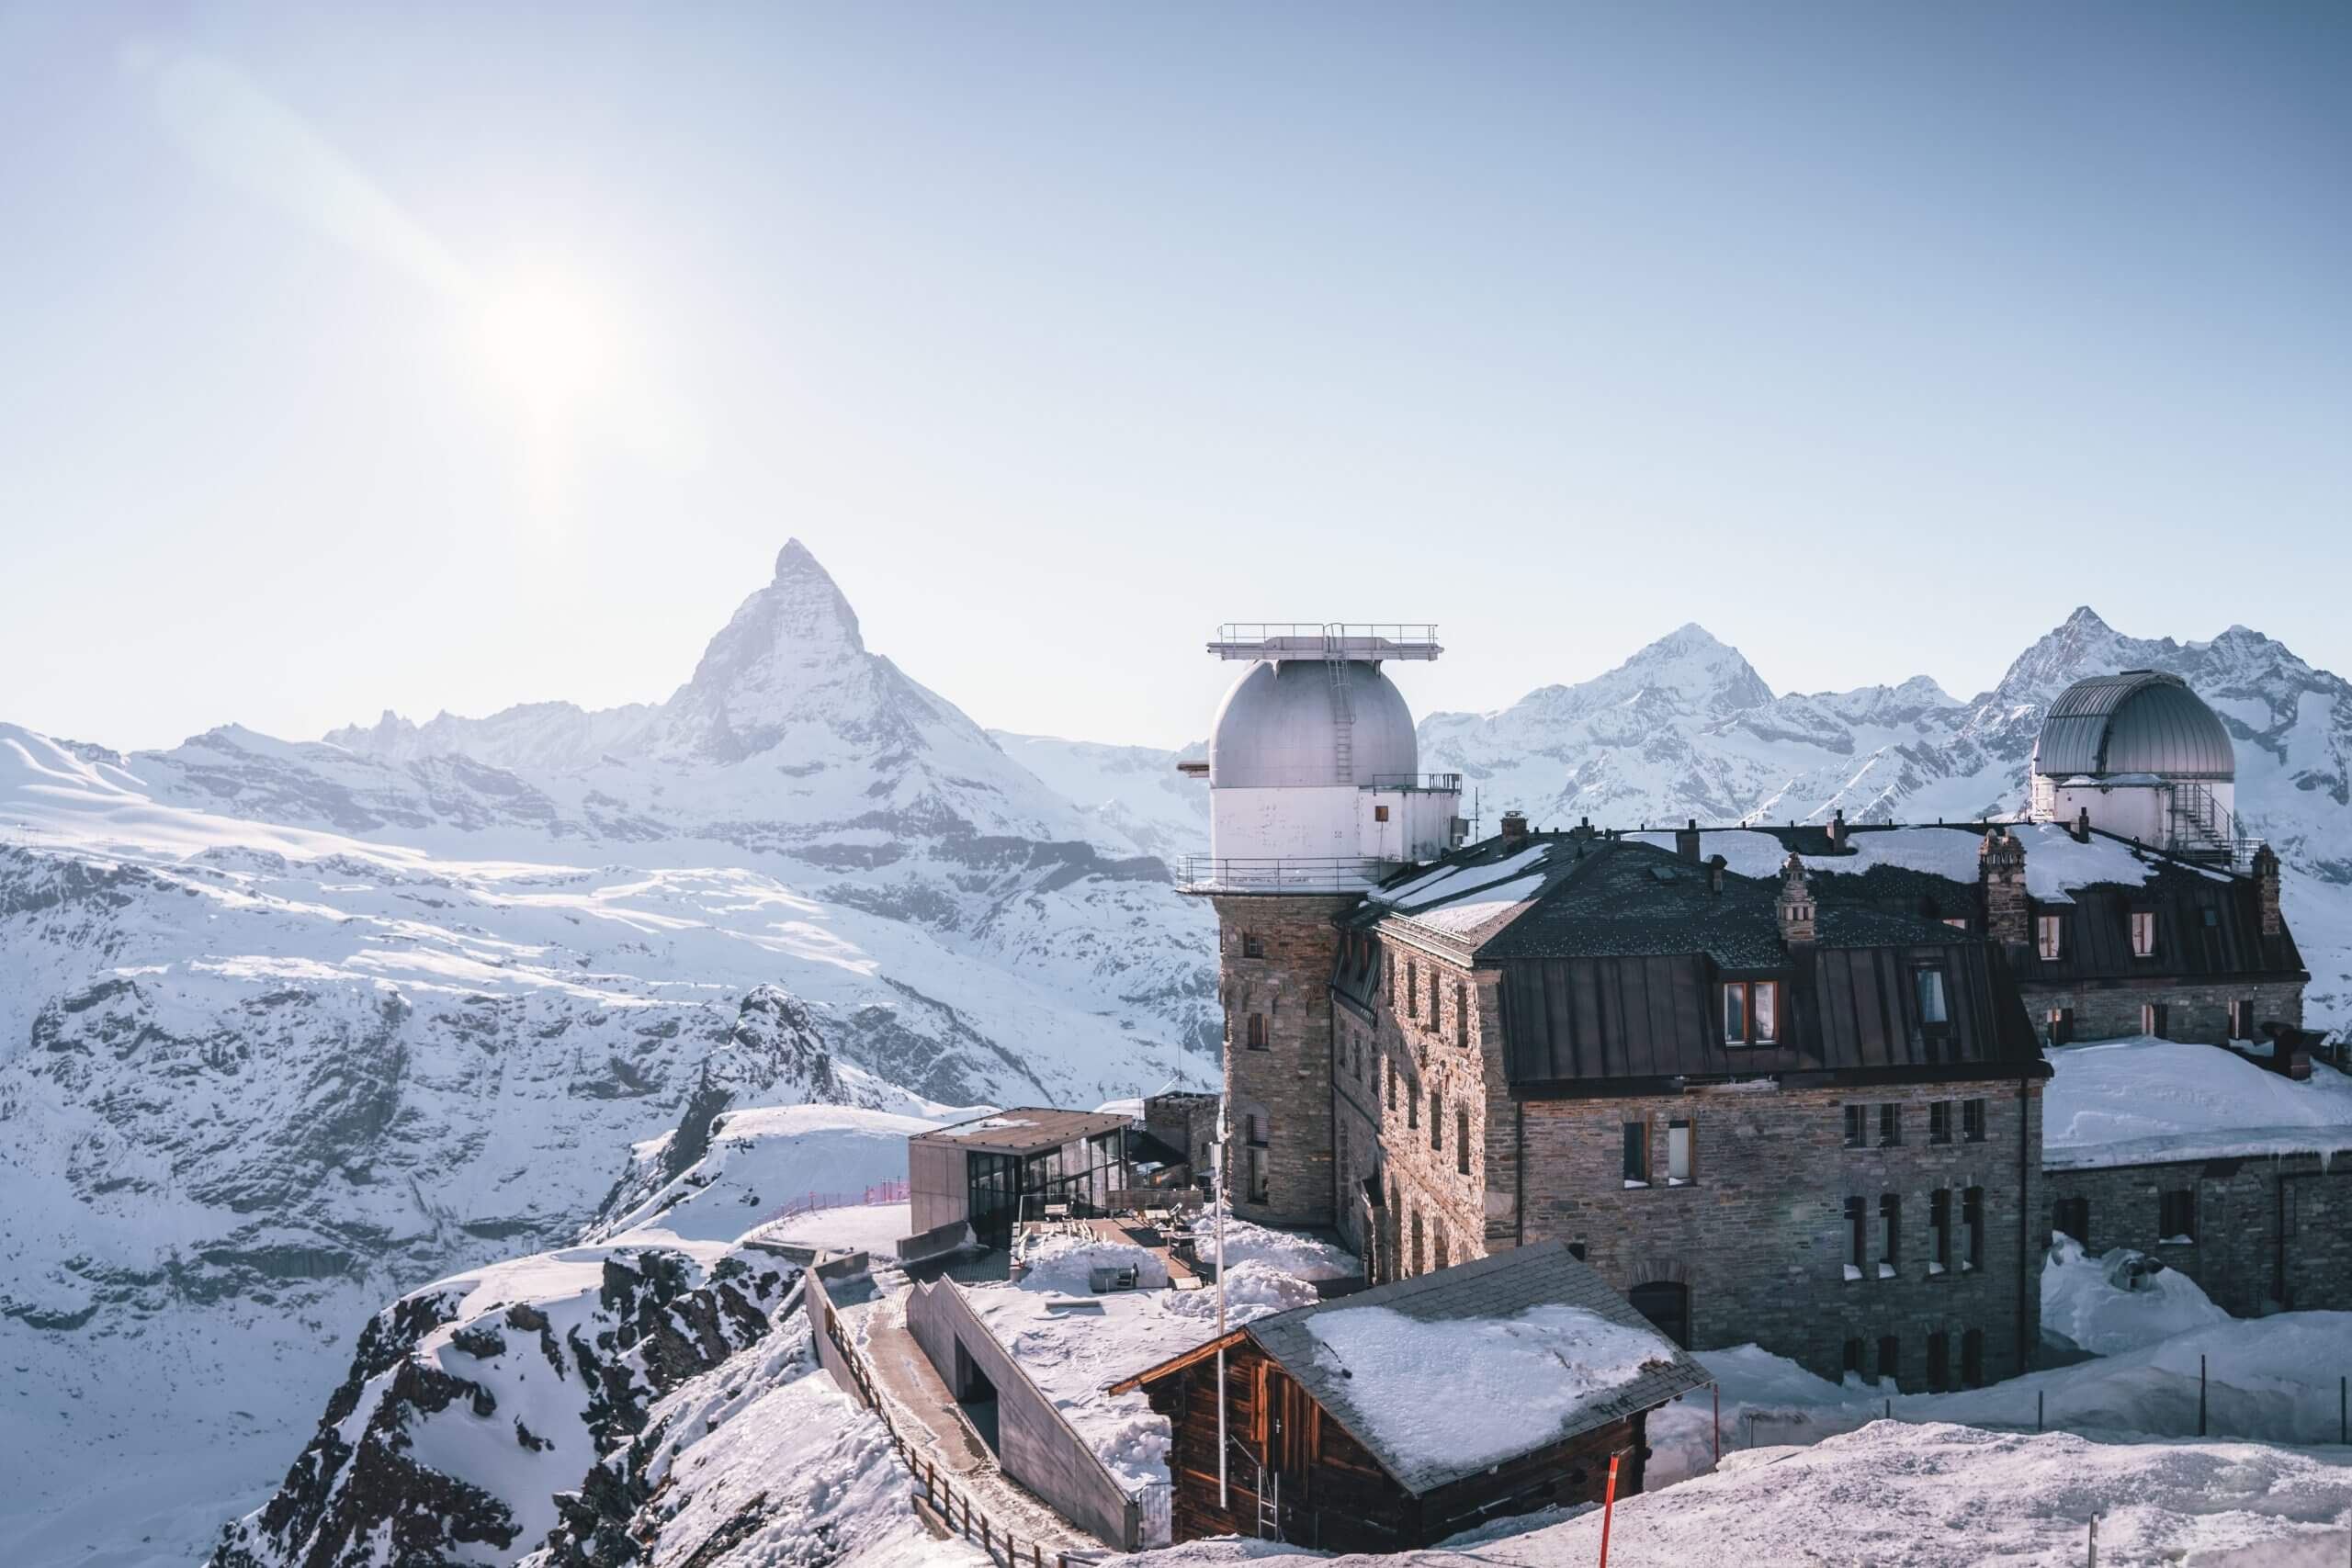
column 1035, row 1130
column 1501, row 1286
column 2138, row 722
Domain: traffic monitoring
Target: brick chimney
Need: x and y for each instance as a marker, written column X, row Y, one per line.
column 2266, row 882
column 1795, row 904
column 1837, row 831
column 1686, row 840
column 1514, row 826
column 2000, row 870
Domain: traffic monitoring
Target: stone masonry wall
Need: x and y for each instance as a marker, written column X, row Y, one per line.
column 1274, row 955
column 1761, row 1236
column 1412, row 1090
column 2249, row 1251
column 2110, row 1010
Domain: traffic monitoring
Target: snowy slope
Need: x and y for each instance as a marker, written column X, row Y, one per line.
column 287, row 1028
column 1134, row 791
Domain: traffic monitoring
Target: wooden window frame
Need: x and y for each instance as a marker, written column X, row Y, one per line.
column 1976, row 1116
column 1437, row 1120
column 2050, row 937
column 1890, row 1227
column 1252, row 946
column 1255, row 1036
column 1689, row 1128
column 2144, row 925
column 1939, row 1121
column 1971, row 1220
column 1933, row 1028
column 1858, row 1124
column 1460, row 1141
column 2166, row 1213
column 1890, row 1124
column 1940, row 1231
column 1637, row 1155
column 1751, row 1035
column 1858, row 1248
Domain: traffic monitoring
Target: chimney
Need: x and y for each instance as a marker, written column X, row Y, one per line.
column 2082, row 828
column 1716, row 873
column 1795, row 904
column 1838, row 832
column 2266, row 882
column 1514, row 830
column 2000, row 872
column 1686, row 840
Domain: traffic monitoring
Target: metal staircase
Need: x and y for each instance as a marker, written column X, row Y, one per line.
column 2198, row 827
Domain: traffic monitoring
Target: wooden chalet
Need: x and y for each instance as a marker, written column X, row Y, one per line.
column 1318, row 1456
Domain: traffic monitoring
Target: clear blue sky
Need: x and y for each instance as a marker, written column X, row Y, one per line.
column 414, row 357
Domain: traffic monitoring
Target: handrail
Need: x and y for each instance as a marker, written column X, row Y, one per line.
column 1439, row 783
column 1280, row 873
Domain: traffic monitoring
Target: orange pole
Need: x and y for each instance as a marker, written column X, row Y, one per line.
column 1608, row 1508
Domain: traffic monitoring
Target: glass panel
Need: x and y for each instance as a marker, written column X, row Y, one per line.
column 1678, row 1151
column 1768, row 1012
column 1734, row 1015
column 1931, row 996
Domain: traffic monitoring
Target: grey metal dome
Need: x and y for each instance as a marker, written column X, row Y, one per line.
column 2138, row 722
column 1279, row 727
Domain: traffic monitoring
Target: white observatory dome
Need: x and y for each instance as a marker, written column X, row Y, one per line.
column 2136, row 723
column 1279, row 728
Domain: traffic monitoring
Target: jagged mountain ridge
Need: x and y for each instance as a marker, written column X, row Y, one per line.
column 287, row 1027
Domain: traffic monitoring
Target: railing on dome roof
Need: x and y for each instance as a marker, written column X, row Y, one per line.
column 1335, row 641
column 1431, row 783
column 1280, row 874
column 2201, row 828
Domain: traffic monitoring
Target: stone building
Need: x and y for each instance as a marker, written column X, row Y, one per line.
column 1781, row 1085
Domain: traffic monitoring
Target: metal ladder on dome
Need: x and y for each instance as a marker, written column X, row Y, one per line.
column 1343, row 707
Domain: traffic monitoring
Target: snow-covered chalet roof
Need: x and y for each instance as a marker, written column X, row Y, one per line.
column 2147, row 1101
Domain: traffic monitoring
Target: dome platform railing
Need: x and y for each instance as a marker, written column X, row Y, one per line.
column 1415, row 784
column 1282, row 873
column 1331, row 642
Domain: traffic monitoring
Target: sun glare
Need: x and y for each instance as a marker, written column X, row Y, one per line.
column 548, row 341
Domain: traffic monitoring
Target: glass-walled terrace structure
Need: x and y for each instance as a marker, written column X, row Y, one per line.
column 999, row 1170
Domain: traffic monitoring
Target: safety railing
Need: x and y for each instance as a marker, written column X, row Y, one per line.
column 1221, row 874
column 880, row 1193
column 1434, row 783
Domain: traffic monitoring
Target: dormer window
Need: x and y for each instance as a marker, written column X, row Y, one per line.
column 1935, row 1012
column 2050, row 937
column 1751, row 1012
column 2144, row 933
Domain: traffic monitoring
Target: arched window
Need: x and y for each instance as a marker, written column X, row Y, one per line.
column 1418, row 1267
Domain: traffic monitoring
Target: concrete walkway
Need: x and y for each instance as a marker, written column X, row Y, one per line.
column 928, row 1415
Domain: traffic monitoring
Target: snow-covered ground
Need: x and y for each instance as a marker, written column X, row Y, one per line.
column 2127, row 1101
column 1935, row 1497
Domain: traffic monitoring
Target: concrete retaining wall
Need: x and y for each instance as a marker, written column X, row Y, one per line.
column 1035, row 1445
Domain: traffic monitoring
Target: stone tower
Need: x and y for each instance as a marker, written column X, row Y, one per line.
column 1315, row 796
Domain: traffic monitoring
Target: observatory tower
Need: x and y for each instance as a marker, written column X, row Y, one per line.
column 2140, row 755
column 1315, row 796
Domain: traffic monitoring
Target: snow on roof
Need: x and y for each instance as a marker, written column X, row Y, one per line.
column 2143, row 1100
column 2055, row 863
column 1446, row 882
column 1463, row 1394
column 1476, row 908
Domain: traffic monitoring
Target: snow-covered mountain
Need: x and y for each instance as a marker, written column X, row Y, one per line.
column 1132, row 791
column 288, row 1028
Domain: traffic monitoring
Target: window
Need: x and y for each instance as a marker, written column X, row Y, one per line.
column 1432, row 998
column 1929, row 986
column 1890, row 1126
column 1858, row 1126
column 1440, row 1249
column 1972, row 1357
column 1257, row 1032
column 1461, row 1015
column 1940, row 1231
column 1853, row 1358
column 1939, row 1121
column 2154, row 1015
column 1418, row 1254
column 1957, row 922
column 1412, row 1105
column 2242, row 1018
column 1890, row 1361
column 1751, row 1012
column 1389, row 1066
column 2050, row 937
column 1972, row 1217
column 1667, row 1303
column 1380, row 814
column 1972, row 1121
column 1678, row 1153
column 1890, row 1235
column 2072, row 1216
column 1939, row 1362
column 1437, row 1121
column 2062, row 1026
column 1856, row 1237
column 2144, row 933
column 1254, row 1127
column 1461, row 1143
column 1637, row 1154
column 2177, row 1216
column 1251, row 946
column 1412, row 989
column 1258, row 1189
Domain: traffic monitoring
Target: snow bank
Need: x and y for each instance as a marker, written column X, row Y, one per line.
column 1461, row 1394
column 1067, row 1263
column 762, row 1159
column 2131, row 1102
column 2104, row 1306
